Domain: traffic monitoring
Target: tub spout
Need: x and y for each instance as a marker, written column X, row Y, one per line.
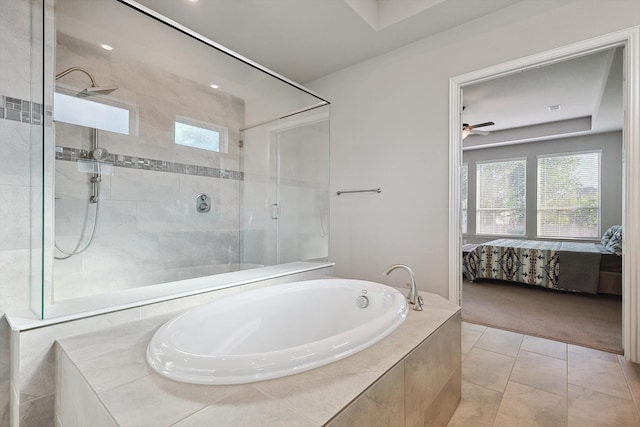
column 414, row 298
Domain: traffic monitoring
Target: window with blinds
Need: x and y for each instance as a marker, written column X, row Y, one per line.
column 500, row 198
column 464, row 189
column 569, row 195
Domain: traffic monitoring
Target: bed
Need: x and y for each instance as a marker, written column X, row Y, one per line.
column 570, row 266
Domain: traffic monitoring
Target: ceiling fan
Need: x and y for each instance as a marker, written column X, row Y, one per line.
column 471, row 129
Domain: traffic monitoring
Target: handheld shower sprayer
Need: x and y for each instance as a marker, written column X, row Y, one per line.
column 98, row 154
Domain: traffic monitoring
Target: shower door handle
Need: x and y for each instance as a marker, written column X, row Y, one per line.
column 275, row 211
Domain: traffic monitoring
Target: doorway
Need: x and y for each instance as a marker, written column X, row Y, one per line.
column 629, row 39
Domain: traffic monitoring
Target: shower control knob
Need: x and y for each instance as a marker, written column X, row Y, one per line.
column 203, row 203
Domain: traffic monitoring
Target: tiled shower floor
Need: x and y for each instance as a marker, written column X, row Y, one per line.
column 510, row 379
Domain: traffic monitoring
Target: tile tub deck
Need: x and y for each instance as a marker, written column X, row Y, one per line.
column 410, row 378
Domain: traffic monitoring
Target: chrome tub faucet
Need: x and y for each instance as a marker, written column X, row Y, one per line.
column 414, row 298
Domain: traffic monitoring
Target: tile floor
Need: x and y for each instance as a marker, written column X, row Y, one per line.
column 515, row 380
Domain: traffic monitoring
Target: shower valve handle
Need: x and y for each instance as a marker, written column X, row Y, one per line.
column 203, row 203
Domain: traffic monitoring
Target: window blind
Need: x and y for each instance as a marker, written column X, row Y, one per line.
column 500, row 198
column 569, row 195
column 465, row 195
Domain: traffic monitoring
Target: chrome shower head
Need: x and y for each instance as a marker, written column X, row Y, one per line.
column 97, row 90
column 93, row 89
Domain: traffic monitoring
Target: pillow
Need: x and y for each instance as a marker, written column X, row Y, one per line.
column 612, row 240
column 615, row 243
column 610, row 232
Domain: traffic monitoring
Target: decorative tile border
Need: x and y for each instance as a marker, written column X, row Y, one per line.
column 131, row 162
column 31, row 112
column 24, row 111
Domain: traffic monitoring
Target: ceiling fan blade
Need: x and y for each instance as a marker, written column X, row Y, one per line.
column 480, row 125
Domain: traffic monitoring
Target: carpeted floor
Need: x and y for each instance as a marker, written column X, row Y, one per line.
column 593, row 321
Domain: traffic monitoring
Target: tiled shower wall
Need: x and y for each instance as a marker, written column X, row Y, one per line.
column 15, row 179
column 148, row 229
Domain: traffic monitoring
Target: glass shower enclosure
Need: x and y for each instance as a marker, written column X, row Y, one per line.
column 175, row 164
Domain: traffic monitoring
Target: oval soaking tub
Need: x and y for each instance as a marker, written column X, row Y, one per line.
column 275, row 331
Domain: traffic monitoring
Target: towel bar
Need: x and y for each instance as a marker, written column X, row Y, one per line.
column 374, row 190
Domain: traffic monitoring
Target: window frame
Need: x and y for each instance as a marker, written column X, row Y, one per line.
column 223, row 132
column 598, row 230
column 464, row 200
column 67, row 92
column 478, row 209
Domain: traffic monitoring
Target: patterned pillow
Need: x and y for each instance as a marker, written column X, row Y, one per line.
column 606, row 237
column 612, row 239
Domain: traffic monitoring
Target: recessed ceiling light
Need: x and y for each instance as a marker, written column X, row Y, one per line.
column 556, row 107
column 214, row 86
column 106, row 46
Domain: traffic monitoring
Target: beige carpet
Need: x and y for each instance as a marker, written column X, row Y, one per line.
column 593, row 321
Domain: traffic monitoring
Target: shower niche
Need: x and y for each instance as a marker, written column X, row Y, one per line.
column 148, row 116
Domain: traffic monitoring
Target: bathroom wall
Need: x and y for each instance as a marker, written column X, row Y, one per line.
column 389, row 129
column 148, row 230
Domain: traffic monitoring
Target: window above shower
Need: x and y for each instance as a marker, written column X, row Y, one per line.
column 92, row 113
column 197, row 134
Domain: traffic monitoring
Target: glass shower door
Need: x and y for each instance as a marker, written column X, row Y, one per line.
column 258, row 226
column 303, row 186
column 285, row 212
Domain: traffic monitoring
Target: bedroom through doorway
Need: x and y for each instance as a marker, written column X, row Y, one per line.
column 541, row 195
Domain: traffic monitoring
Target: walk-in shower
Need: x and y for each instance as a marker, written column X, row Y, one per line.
column 126, row 209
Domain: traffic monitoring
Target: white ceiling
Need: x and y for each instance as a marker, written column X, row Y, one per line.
column 307, row 39
column 584, row 93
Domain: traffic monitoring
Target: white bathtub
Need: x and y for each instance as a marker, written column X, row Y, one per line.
column 275, row 331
